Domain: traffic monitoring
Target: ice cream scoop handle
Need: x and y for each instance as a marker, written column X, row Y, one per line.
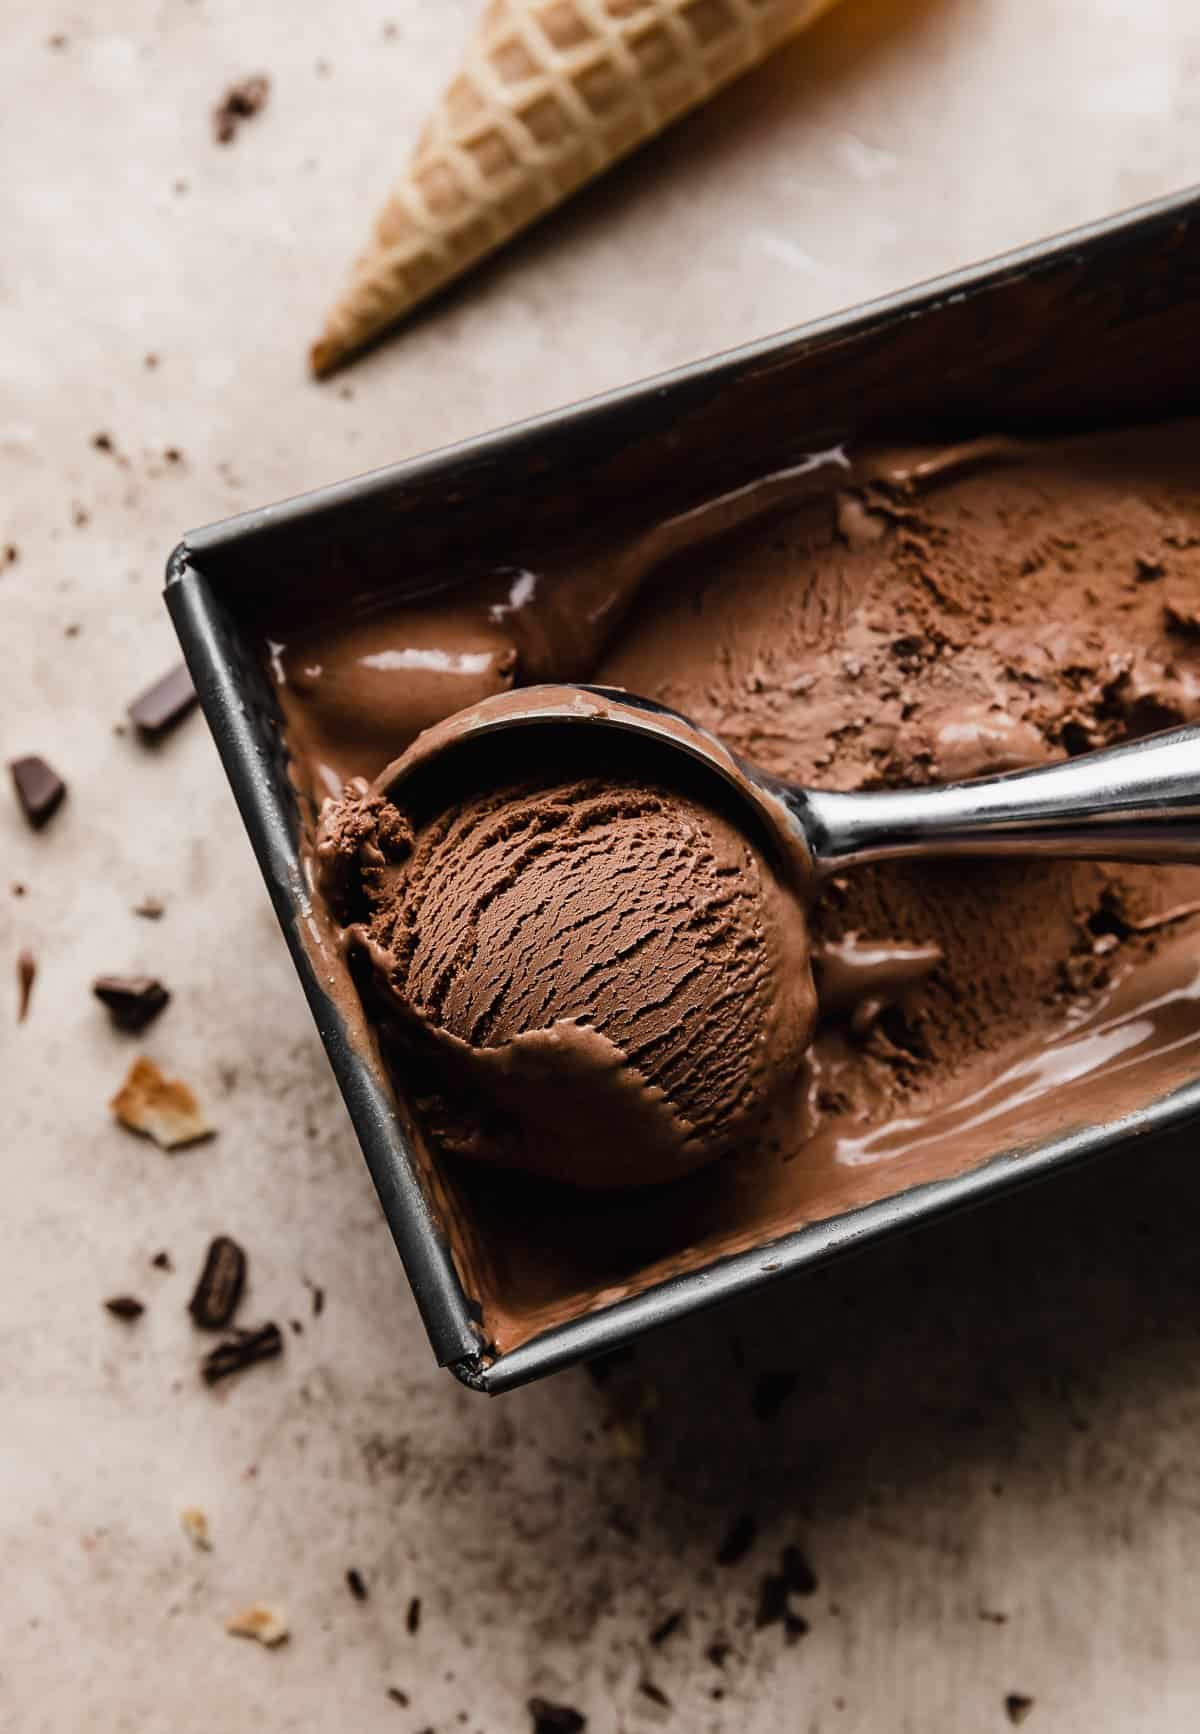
column 1139, row 801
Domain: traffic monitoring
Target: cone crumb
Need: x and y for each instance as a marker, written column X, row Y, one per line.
column 158, row 1107
column 267, row 1623
column 195, row 1527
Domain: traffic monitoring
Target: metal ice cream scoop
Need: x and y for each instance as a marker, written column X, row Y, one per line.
column 1139, row 801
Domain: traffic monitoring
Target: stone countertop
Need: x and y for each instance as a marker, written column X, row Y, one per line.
column 982, row 1441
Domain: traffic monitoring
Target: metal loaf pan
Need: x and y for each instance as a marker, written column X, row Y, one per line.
column 1097, row 326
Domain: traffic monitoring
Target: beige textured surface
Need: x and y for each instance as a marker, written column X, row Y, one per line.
column 551, row 94
column 998, row 1420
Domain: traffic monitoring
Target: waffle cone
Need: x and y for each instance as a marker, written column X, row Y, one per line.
column 550, row 94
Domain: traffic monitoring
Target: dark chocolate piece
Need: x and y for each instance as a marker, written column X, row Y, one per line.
column 239, row 103
column 26, row 975
column 125, row 1307
column 742, row 1534
column 157, row 710
column 219, row 1285
column 133, row 1000
column 241, row 1350
column 39, row 787
column 355, row 1584
column 551, row 1718
column 1017, row 1706
column 412, row 1618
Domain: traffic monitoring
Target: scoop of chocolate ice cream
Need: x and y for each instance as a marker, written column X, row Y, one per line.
column 611, row 983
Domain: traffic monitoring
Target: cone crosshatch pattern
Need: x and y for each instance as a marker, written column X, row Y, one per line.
column 551, row 93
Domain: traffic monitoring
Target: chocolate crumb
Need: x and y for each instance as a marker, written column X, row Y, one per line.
column 133, row 1001
column 1017, row 1706
column 26, row 975
column 551, row 1718
column 18, row 890
column 318, row 1298
column 162, row 1261
column 398, row 1697
column 219, row 1286
column 993, row 1616
column 172, row 455
column 40, row 789
column 241, row 1350
column 1146, row 568
column 72, row 629
column 80, row 515
column 412, row 1618
column 103, row 442
column 297, row 1327
column 11, row 553
column 125, row 1307
column 355, row 1584
column 240, row 102
column 771, row 1391
column 742, row 1534
column 57, row 41
column 655, row 1693
column 795, row 1577
column 150, row 361
column 150, row 908
column 718, row 1652
column 666, row 1629
column 156, row 711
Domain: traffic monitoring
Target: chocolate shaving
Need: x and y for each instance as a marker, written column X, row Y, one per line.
column 219, row 1286
column 655, row 1693
column 355, row 1584
column 551, row 1718
column 125, row 1307
column 40, row 789
column 132, row 1000
column 156, row 711
column 743, row 1533
column 241, row 1350
column 666, row 1629
column 240, row 102
column 26, row 976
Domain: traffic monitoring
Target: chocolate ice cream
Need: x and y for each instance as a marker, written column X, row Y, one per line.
column 611, row 981
column 857, row 621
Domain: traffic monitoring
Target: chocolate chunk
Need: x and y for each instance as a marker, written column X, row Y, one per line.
column 26, row 975
column 355, row 1584
column 125, row 1307
column 743, row 1533
column 162, row 1261
column 157, row 710
column 1017, row 1706
column 551, row 1718
column 219, row 1285
column 133, row 1000
column 40, row 789
column 239, row 103
column 412, row 1618
column 241, row 1350
column 666, row 1628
